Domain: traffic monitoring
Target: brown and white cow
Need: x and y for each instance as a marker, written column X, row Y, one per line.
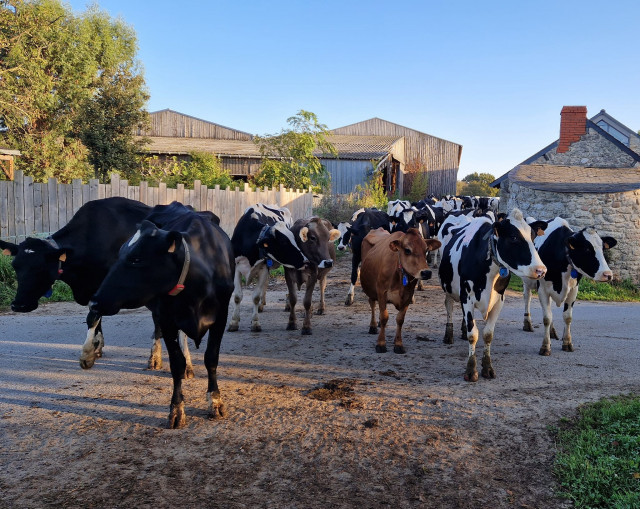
column 392, row 264
column 315, row 237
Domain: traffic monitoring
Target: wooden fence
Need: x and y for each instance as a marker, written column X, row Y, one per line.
column 31, row 209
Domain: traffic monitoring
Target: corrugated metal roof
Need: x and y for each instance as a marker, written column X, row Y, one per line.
column 576, row 179
column 348, row 146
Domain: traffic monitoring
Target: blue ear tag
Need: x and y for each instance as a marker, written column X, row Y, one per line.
column 269, row 262
column 404, row 280
column 504, row 272
column 48, row 293
column 574, row 273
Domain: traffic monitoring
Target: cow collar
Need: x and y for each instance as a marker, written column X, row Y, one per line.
column 574, row 272
column 185, row 268
column 405, row 274
column 493, row 252
column 262, row 252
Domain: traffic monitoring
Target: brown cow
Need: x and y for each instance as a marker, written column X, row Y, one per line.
column 315, row 238
column 392, row 264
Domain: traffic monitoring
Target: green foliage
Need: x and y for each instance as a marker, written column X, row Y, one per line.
column 477, row 184
column 57, row 72
column 419, row 187
column 598, row 464
column 617, row 291
column 289, row 158
column 201, row 166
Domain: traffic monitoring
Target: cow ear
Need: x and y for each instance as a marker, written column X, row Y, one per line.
column 608, row 242
column 334, row 235
column 539, row 227
column 303, row 233
column 394, row 245
column 433, row 244
column 8, row 248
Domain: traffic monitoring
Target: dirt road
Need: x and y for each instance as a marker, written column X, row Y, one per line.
column 403, row 431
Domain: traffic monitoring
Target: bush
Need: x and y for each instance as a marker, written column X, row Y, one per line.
column 202, row 166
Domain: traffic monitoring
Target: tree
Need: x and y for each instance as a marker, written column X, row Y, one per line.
column 289, row 158
column 477, row 184
column 52, row 66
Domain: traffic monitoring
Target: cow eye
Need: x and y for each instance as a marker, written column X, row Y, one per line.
column 514, row 238
column 407, row 251
column 136, row 261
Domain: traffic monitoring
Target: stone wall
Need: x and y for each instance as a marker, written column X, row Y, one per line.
column 593, row 149
column 614, row 214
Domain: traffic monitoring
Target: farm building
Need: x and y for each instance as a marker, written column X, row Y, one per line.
column 6, row 162
column 590, row 176
column 358, row 145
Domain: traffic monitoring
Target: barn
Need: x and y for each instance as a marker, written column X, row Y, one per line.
column 396, row 150
column 591, row 177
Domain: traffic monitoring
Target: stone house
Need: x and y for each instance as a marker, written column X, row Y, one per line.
column 590, row 176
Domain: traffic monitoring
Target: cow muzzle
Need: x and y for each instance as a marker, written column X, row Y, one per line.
column 425, row 274
column 325, row 264
column 606, row 276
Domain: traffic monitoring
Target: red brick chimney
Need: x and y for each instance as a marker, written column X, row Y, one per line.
column 573, row 124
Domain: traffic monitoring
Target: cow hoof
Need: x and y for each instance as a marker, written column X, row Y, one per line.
column 526, row 326
column 399, row 349
column 545, row 351
column 488, row 373
column 217, row 409
column 306, row 331
column 471, row 377
column 87, row 364
column 292, row 326
column 188, row 373
column 320, row 312
column 256, row 328
column 448, row 340
column 567, row 348
column 155, row 363
column 373, row 330
column 381, row 349
column 349, row 300
column 553, row 334
column 233, row 327
column 177, row 417
column 260, row 308
column 287, row 307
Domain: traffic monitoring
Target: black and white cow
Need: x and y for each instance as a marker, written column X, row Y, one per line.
column 568, row 255
column 80, row 254
column 315, row 238
column 261, row 240
column 344, row 229
column 475, row 270
column 183, row 272
column 369, row 220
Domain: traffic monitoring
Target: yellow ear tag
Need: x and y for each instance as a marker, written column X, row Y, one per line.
column 571, row 247
column 540, row 232
column 63, row 257
column 265, row 244
column 6, row 252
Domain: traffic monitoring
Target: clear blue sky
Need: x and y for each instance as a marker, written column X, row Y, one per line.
column 490, row 75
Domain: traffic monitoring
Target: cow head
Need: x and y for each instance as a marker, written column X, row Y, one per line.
column 148, row 265
column 37, row 264
column 412, row 253
column 314, row 239
column 513, row 247
column 345, row 235
column 280, row 245
column 585, row 250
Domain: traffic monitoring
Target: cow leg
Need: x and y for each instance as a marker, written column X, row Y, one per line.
column 260, row 288
column 322, row 285
column 178, row 364
column 471, row 373
column 487, row 337
column 526, row 294
column 398, row 347
column 292, row 298
column 211, row 355
column 373, row 324
column 567, row 315
column 448, row 335
column 308, row 311
column 92, row 348
column 545, row 302
column 263, row 298
column 184, row 346
column 355, row 262
column 381, row 344
column 155, row 357
column 237, row 299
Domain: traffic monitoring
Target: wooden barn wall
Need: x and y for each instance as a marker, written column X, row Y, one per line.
column 346, row 174
column 439, row 157
column 170, row 123
column 240, row 166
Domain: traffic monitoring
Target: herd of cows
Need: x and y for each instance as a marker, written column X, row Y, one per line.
column 118, row 254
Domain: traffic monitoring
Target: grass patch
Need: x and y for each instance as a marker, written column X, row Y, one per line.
column 598, row 463
column 617, row 291
column 9, row 285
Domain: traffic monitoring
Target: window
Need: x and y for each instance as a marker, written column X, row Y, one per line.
column 614, row 132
